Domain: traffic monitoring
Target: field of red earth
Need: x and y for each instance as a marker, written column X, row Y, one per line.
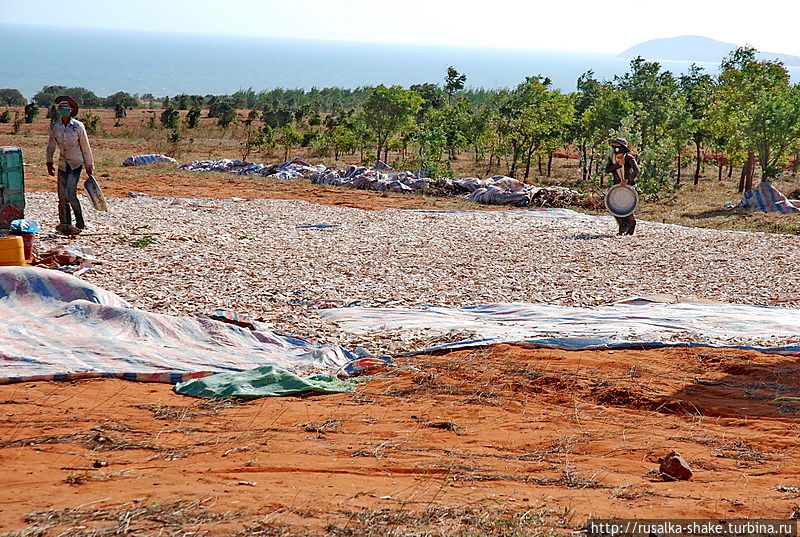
column 112, row 144
column 502, row 440
column 468, row 442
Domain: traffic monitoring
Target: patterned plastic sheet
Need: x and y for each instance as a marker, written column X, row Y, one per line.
column 54, row 326
column 635, row 323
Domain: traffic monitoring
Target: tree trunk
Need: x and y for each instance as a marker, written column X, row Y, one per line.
column 746, row 178
column 386, row 155
column 514, row 156
column 539, row 158
column 584, row 162
column 719, row 176
column 678, row 178
column 549, row 162
column 697, row 167
column 528, row 156
column 730, row 167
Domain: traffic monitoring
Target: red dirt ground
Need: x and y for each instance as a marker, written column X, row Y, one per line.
column 561, row 435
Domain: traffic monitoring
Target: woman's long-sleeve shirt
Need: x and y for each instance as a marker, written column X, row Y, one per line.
column 72, row 142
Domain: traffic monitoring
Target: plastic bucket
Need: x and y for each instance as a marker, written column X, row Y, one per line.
column 27, row 244
column 12, row 251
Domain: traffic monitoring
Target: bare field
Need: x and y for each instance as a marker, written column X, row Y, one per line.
column 497, row 441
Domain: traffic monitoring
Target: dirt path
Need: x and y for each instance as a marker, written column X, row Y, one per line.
column 447, row 442
column 145, row 180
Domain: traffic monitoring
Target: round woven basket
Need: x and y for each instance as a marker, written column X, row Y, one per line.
column 622, row 200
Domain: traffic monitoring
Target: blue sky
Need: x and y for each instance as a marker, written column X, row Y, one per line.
column 574, row 25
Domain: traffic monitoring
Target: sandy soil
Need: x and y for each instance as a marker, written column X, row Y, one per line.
column 503, row 430
column 478, row 442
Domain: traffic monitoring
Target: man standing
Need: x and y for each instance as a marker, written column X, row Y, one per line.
column 75, row 153
column 624, row 168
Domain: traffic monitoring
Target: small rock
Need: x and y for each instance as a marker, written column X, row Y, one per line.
column 99, row 464
column 674, row 468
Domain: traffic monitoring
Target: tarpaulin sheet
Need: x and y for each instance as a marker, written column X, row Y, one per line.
column 54, row 326
column 635, row 323
column 768, row 199
column 142, row 160
column 264, row 381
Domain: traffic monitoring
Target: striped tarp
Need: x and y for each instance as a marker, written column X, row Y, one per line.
column 141, row 160
column 56, row 326
column 768, row 199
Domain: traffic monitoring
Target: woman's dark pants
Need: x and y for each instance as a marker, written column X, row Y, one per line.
column 68, row 196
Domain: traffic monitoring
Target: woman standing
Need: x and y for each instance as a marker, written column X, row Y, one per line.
column 75, row 153
column 621, row 157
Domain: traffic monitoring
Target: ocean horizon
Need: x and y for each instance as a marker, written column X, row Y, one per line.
column 107, row 61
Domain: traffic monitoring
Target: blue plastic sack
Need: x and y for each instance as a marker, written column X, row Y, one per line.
column 24, row 227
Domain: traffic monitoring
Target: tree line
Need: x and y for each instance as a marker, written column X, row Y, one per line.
column 746, row 116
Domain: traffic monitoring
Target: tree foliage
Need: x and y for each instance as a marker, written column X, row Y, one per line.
column 388, row 111
column 12, row 97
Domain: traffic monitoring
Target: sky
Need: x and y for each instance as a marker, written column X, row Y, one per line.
column 573, row 25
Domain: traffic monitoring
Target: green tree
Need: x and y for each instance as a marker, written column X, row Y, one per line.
column 698, row 90
column 31, row 111
column 225, row 113
column 343, row 139
column 121, row 98
column 170, row 118
column 253, row 138
column 91, row 122
column 659, row 110
column 388, row 111
column 277, row 117
column 84, row 97
column 757, row 110
column 288, row 138
column 12, row 97
column 601, row 120
column 432, row 97
column 193, row 117
column 531, row 116
column 453, row 82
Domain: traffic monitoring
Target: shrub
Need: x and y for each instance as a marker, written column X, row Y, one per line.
column 91, row 122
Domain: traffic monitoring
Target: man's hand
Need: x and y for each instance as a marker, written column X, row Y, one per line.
column 51, row 170
column 89, row 171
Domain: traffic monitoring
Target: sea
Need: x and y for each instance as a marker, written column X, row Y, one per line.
column 166, row 64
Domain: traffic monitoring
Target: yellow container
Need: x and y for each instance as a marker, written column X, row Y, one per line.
column 12, row 252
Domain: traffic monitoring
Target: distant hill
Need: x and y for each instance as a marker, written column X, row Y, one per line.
column 695, row 48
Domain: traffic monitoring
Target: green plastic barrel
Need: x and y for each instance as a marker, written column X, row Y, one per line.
column 12, row 185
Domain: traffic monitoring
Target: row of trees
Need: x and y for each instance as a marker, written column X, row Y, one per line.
column 745, row 115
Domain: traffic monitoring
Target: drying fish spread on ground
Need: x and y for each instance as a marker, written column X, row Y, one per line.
column 284, row 261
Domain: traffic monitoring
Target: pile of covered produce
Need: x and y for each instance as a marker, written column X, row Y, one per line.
column 369, row 178
column 140, row 160
column 292, row 169
column 501, row 190
column 498, row 190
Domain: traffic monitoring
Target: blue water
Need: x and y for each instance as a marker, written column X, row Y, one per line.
column 167, row 64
